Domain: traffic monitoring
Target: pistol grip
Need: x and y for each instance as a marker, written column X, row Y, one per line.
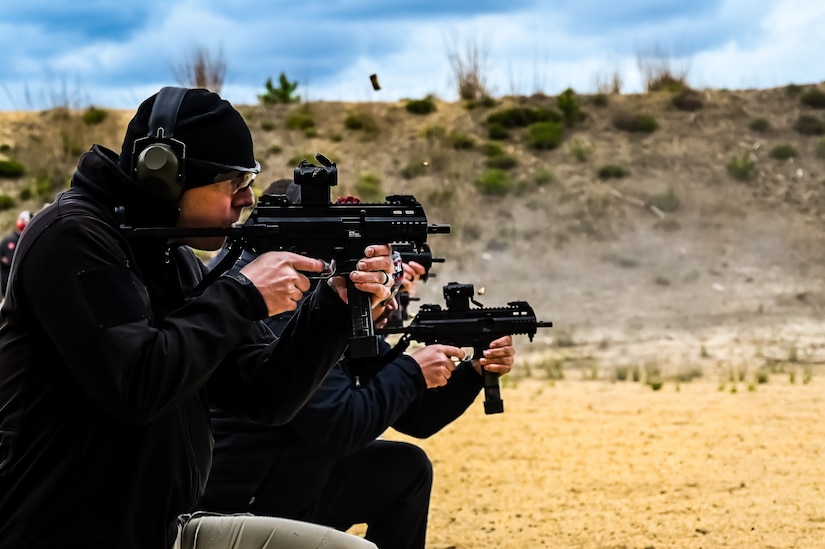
column 363, row 342
column 492, row 392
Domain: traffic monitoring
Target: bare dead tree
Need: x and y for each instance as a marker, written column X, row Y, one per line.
column 467, row 66
column 658, row 72
column 202, row 69
column 609, row 83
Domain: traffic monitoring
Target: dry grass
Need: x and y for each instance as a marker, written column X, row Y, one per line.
column 202, row 69
column 606, row 465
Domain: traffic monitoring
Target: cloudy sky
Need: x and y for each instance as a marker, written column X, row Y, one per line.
column 114, row 53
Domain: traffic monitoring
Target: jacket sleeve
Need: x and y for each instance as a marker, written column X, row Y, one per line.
column 341, row 418
column 78, row 282
column 267, row 382
column 439, row 407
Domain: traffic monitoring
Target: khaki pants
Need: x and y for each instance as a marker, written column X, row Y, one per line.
column 211, row 531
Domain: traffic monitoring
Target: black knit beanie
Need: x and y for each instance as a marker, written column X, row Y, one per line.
column 209, row 126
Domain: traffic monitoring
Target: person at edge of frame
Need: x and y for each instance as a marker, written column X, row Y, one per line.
column 112, row 351
column 7, row 246
column 328, row 465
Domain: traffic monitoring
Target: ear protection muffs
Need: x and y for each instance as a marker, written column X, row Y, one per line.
column 158, row 158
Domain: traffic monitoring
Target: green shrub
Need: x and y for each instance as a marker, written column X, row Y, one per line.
column 494, row 181
column 667, row 202
column 6, row 202
column 600, row 100
column 25, row 194
column 11, row 169
column 282, row 94
column 461, row 141
column 687, row 100
column 275, row 149
column 486, row 102
column 353, row 122
column 783, row 152
column 491, row 148
column 814, row 98
column 581, row 149
column 545, row 135
column 93, row 116
column 497, row 132
column 267, row 125
column 434, row 133
column 413, row 169
column 5, row 147
column 300, row 120
column 665, row 81
column 760, row 125
column 569, row 106
column 809, row 125
column 644, row 123
column 820, row 147
column 793, row 90
column 502, row 161
column 421, row 106
column 368, row 187
column 742, row 167
column 543, row 177
column 520, row 117
column 612, row 171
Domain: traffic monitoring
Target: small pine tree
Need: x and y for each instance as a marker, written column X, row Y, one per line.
column 279, row 95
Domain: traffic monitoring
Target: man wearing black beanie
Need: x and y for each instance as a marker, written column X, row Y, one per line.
column 112, row 350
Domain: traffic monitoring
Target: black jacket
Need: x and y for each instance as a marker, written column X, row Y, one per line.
column 108, row 366
column 281, row 470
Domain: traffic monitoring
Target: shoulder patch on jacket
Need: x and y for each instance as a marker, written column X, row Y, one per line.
column 113, row 295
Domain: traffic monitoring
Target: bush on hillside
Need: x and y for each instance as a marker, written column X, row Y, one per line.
column 461, row 141
column 642, row 123
column 502, row 161
column 783, row 152
column 497, row 132
column 368, row 187
column 612, row 171
column 300, row 120
column 760, row 125
column 494, row 181
column 11, row 169
column 814, row 98
column 742, row 167
column 570, row 108
column 667, row 202
column 809, row 125
column 545, row 135
column 520, row 117
column 543, row 177
column 93, row 116
column 491, row 148
column 687, row 100
column 421, row 106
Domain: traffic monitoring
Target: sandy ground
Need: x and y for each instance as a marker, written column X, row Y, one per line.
column 600, row 464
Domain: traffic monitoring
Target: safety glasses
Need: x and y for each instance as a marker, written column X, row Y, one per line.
column 240, row 176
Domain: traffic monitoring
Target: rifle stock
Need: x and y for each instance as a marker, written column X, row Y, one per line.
column 463, row 326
